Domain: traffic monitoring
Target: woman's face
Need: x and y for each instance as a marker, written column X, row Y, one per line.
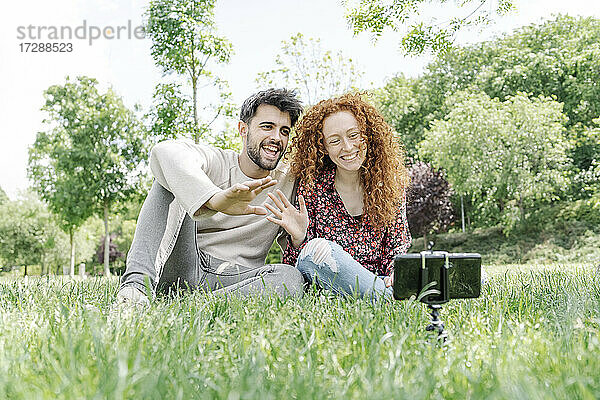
column 343, row 141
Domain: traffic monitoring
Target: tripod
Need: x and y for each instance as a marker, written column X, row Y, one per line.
column 435, row 304
column 436, row 325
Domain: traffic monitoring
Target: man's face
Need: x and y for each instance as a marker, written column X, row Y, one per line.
column 266, row 137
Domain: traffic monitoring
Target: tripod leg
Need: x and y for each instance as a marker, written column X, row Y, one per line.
column 436, row 325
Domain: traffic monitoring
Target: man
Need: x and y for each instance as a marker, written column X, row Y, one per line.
column 202, row 225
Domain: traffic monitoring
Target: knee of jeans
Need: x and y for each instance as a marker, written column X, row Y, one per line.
column 294, row 279
column 289, row 277
column 321, row 253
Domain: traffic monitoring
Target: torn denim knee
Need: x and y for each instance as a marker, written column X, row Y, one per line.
column 320, row 252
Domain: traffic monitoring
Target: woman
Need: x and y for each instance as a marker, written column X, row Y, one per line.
column 351, row 219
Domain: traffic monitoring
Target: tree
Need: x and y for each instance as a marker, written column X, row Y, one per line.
column 585, row 153
column 420, row 34
column 3, row 196
column 119, row 151
column 316, row 73
column 54, row 166
column 171, row 115
column 556, row 58
column 85, row 244
column 428, row 205
column 402, row 103
column 228, row 138
column 184, row 41
column 92, row 161
column 508, row 154
column 28, row 232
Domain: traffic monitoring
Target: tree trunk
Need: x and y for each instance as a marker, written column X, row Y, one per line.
column 521, row 209
column 106, row 242
column 462, row 212
column 194, row 76
column 194, row 101
column 72, row 263
column 425, row 241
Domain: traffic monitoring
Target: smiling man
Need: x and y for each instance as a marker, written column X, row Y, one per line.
column 203, row 225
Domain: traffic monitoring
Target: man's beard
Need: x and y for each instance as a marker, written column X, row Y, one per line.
column 254, row 154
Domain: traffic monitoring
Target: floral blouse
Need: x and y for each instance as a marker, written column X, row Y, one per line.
column 374, row 248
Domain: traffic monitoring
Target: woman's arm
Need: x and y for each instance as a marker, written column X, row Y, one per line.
column 293, row 220
column 291, row 252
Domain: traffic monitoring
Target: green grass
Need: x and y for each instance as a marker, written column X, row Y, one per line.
column 534, row 333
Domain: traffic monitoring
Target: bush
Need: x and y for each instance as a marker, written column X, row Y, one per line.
column 113, row 251
column 561, row 232
column 587, row 211
column 428, row 207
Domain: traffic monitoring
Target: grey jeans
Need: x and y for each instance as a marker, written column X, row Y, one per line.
column 187, row 267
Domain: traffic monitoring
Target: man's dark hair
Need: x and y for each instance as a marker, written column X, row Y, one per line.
column 283, row 99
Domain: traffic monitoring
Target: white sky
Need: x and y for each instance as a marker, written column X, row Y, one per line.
column 256, row 29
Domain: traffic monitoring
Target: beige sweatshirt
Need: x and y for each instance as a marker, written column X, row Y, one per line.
column 194, row 173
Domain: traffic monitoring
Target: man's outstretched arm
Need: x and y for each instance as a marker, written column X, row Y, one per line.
column 183, row 169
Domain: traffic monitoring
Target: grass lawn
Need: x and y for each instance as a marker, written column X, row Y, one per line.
column 533, row 334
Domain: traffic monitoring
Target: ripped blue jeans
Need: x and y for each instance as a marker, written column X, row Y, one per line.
column 330, row 267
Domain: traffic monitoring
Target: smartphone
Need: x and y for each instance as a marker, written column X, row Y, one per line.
column 444, row 275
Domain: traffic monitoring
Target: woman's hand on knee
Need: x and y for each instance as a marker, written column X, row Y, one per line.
column 389, row 280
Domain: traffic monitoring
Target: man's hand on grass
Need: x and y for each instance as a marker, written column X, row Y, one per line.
column 236, row 200
column 131, row 297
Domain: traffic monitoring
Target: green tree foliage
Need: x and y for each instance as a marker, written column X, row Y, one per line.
column 420, row 34
column 557, row 58
column 228, row 138
column 403, row 104
column 3, row 196
column 184, row 41
column 91, row 160
column 28, row 233
column 585, row 141
column 508, row 155
column 317, row 74
column 171, row 115
column 85, row 241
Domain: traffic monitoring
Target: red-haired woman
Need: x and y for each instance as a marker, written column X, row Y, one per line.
column 349, row 218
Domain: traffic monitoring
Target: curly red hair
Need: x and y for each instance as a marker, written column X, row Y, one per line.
column 383, row 174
